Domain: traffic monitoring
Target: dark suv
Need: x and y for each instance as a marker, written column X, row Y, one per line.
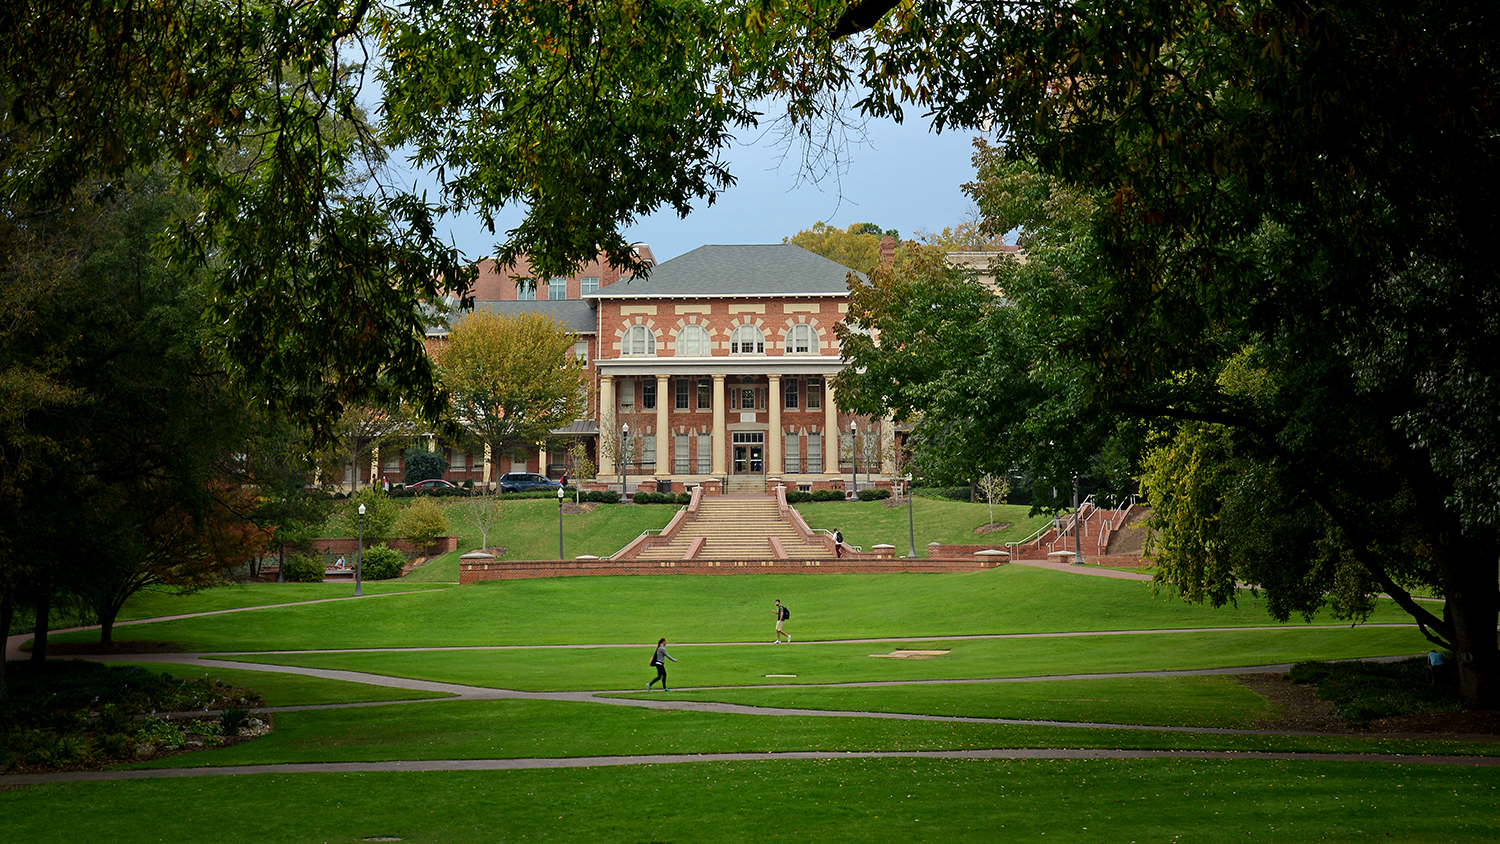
column 525, row 482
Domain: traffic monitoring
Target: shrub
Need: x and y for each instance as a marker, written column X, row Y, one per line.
column 827, row 495
column 302, row 568
column 947, row 493
column 662, row 498
column 684, row 498
column 874, row 494
column 422, row 523
column 383, row 563
column 602, row 496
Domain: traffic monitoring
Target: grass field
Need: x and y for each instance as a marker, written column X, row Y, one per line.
column 554, row 641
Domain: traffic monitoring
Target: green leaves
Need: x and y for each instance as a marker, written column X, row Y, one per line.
column 589, row 114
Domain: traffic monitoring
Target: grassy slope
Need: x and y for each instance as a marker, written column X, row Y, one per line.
column 1010, row 599
column 866, row 523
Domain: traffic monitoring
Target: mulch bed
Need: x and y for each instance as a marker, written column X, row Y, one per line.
column 1303, row 711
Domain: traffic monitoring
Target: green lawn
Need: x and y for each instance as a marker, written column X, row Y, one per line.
column 579, row 610
column 838, row 799
column 518, row 729
column 551, row 669
column 826, row 801
column 288, row 689
column 156, row 602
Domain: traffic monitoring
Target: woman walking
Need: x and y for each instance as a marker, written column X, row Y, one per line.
column 660, row 661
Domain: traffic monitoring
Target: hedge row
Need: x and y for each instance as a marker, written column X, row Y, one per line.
column 794, row 496
column 663, row 498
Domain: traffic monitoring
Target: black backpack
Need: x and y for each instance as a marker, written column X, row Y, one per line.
column 785, row 613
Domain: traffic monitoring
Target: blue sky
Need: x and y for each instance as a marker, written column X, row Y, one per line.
column 904, row 177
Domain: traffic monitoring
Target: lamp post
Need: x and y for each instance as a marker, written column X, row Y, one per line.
column 854, row 450
column 560, row 495
column 624, row 452
column 359, row 558
column 911, row 530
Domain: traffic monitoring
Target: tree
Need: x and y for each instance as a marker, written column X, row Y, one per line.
column 992, row 487
column 1289, row 191
column 513, row 379
column 483, row 511
column 135, row 477
column 583, row 468
column 254, row 109
column 422, row 464
column 361, row 430
column 379, row 519
column 856, row 247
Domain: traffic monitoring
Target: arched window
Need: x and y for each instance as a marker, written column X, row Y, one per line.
column 639, row 340
column 802, row 340
column 747, row 340
column 693, row 340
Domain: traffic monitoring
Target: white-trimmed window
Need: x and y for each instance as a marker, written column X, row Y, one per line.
column 705, row 453
column 802, row 339
column 705, row 394
column 627, row 393
column 791, row 394
column 814, row 394
column 680, row 454
column 581, row 350
column 526, row 289
column 814, row 453
column 693, row 340
column 747, row 340
column 639, row 340
column 648, row 393
column 793, row 454
column 681, row 387
column 588, row 284
column 557, row 288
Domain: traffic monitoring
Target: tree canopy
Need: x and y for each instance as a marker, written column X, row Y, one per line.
column 514, row 379
column 856, row 247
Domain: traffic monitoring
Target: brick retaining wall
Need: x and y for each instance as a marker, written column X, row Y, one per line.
column 519, row 569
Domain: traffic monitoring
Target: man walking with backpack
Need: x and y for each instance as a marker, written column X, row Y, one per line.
column 782, row 614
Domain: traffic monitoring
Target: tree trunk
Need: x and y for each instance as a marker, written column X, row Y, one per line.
column 39, row 640
column 1473, row 607
column 107, row 627
column 7, row 615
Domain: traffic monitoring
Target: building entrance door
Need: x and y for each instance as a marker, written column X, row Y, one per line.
column 749, row 453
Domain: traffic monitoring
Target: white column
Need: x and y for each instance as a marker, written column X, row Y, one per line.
column 606, row 425
column 663, row 440
column 773, row 435
column 721, row 430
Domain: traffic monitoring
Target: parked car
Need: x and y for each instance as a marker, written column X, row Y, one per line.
column 525, row 482
column 431, row 483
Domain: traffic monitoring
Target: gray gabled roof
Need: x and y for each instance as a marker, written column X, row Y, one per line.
column 778, row 269
column 577, row 315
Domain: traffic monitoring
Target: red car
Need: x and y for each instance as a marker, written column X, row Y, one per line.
column 431, row 483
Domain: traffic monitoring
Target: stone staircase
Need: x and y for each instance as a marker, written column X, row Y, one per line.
column 733, row 528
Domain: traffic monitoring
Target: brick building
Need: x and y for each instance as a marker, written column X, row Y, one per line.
column 714, row 370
